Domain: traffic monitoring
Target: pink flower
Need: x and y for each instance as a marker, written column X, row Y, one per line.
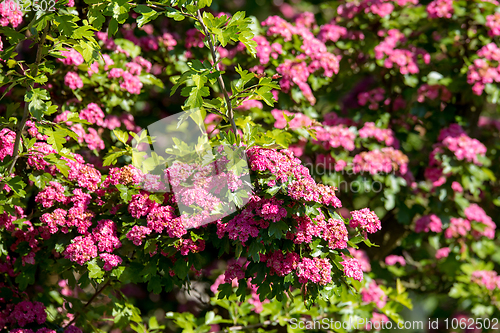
column 131, row 83
column 392, row 260
column 314, row 270
column 366, row 220
column 72, row 58
column 134, row 68
column 10, row 13
column 53, row 192
column 374, row 294
column 488, row 279
column 443, row 253
column 27, row 312
column 73, row 81
column 440, row 8
column 369, row 130
column 493, row 23
column 299, row 120
column 331, row 32
column 352, row 268
column 458, row 227
column 477, row 214
column 93, row 114
column 7, row 139
column 234, row 270
column 110, row 261
column 104, row 235
column 455, row 186
column 428, row 223
column 93, row 140
column 81, row 250
column 363, row 259
column 137, row 234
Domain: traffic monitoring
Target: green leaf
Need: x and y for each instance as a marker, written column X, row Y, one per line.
column 154, row 284
column 148, row 14
column 95, row 271
column 204, row 3
column 277, row 229
column 122, row 136
column 125, row 192
column 17, row 185
column 56, row 138
column 66, row 24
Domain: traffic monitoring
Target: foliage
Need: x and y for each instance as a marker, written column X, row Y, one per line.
column 393, row 104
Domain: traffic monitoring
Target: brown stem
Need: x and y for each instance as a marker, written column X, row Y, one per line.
column 20, row 127
column 88, row 303
column 230, row 113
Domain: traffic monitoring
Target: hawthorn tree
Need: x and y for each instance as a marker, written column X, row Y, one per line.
column 368, row 129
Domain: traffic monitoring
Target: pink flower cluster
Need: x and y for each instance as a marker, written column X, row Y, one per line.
column 83, row 173
column 384, row 160
column 331, row 32
column 372, row 97
column 282, row 165
column 375, row 99
column 266, row 50
column 362, row 258
column 458, row 227
column 110, row 261
column 296, row 72
column 93, row 114
column 382, row 8
column 23, row 313
column 137, row 234
column 72, row 58
column 10, row 13
column 280, row 264
column 493, row 23
column 432, row 92
column 465, row 148
column 428, row 223
column 477, row 214
column 405, row 59
column 314, row 270
column 373, row 293
column 315, row 55
column 486, row 69
column 333, row 231
column 299, row 119
column 81, row 250
column 334, row 137
column 393, row 259
column 73, row 81
column 443, row 253
column 53, row 192
column 254, row 217
column 366, row 220
column 488, row 279
column 7, row 139
column 369, row 130
column 352, row 268
column 440, row 9
column 103, row 239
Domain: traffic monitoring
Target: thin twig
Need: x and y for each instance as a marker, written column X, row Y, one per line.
column 88, row 303
column 20, row 128
column 230, row 113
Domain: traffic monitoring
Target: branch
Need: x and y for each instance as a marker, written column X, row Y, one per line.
column 230, row 113
column 88, row 303
column 20, row 128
